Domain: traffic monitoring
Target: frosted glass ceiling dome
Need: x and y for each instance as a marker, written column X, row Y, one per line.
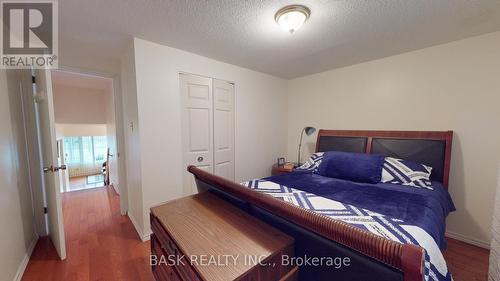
column 291, row 18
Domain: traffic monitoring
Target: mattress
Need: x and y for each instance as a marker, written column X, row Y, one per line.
column 399, row 213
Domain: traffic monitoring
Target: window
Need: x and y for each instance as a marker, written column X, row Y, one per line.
column 100, row 148
column 85, row 150
column 72, row 150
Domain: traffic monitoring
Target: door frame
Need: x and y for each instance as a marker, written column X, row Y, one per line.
column 119, row 125
column 62, row 173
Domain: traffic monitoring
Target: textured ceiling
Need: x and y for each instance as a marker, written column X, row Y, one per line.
column 71, row 79
column 243, row 32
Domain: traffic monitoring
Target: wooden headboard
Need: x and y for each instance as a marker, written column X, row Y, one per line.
column 432, row 148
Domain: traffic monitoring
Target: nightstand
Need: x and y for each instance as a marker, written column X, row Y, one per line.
column 279, row 170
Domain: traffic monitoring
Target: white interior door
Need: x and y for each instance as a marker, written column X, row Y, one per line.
column 197, row 125
column 223, row 129
column 48, row 152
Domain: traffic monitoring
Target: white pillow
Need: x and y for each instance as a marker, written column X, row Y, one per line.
column 312, row 163
column 405, row 172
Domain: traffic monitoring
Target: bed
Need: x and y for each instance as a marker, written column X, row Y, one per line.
column 380, row 227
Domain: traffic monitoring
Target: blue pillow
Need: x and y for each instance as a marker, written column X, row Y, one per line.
column 357, row 167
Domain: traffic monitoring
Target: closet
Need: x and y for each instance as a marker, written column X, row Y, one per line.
column 207, row 126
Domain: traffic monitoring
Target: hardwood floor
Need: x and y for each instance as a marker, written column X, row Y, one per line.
column 80, row 183
column 467, row 262
column 103, row 245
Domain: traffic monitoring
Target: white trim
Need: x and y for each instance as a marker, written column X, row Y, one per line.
column 86, row 71
column 147, row 237
column 143, row 237
column 26, row 259
column 115, row 188
column 468, row 240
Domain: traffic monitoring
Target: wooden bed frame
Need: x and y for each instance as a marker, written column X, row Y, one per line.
column 406, row 258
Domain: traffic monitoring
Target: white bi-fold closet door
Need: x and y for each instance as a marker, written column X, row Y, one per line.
column 207, row 126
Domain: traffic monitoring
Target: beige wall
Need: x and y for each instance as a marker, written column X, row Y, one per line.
column 17, row 234
column 83, row 55
column 74, row 105
column 455, row 86
column 79, row 130
column 260, row 118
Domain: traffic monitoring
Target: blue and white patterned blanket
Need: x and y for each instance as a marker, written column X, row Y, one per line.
column 390, row 228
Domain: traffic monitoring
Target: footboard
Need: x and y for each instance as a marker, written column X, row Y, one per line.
column 382, row 258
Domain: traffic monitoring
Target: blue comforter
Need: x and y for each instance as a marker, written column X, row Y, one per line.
column 424, row 208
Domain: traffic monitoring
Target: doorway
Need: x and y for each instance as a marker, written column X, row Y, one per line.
column 59, row 111
column 85, row 130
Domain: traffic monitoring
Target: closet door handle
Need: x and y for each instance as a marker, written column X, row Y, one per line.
column 200, row 159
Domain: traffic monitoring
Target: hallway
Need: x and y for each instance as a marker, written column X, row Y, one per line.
column 101, row 243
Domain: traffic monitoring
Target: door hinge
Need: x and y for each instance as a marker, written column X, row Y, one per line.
column 33, row 79
column 45, row 210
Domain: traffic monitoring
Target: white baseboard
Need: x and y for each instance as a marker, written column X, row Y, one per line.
column 142, row 236
column 468, row 240
column 115, row 188
column 147, row 237
column 26, row 259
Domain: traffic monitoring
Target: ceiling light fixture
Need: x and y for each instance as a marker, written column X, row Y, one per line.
column 291, row 18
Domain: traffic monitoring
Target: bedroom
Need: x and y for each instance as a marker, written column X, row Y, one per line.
column 352, row 65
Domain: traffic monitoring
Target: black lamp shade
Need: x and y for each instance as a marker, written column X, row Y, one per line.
column 309, row 130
